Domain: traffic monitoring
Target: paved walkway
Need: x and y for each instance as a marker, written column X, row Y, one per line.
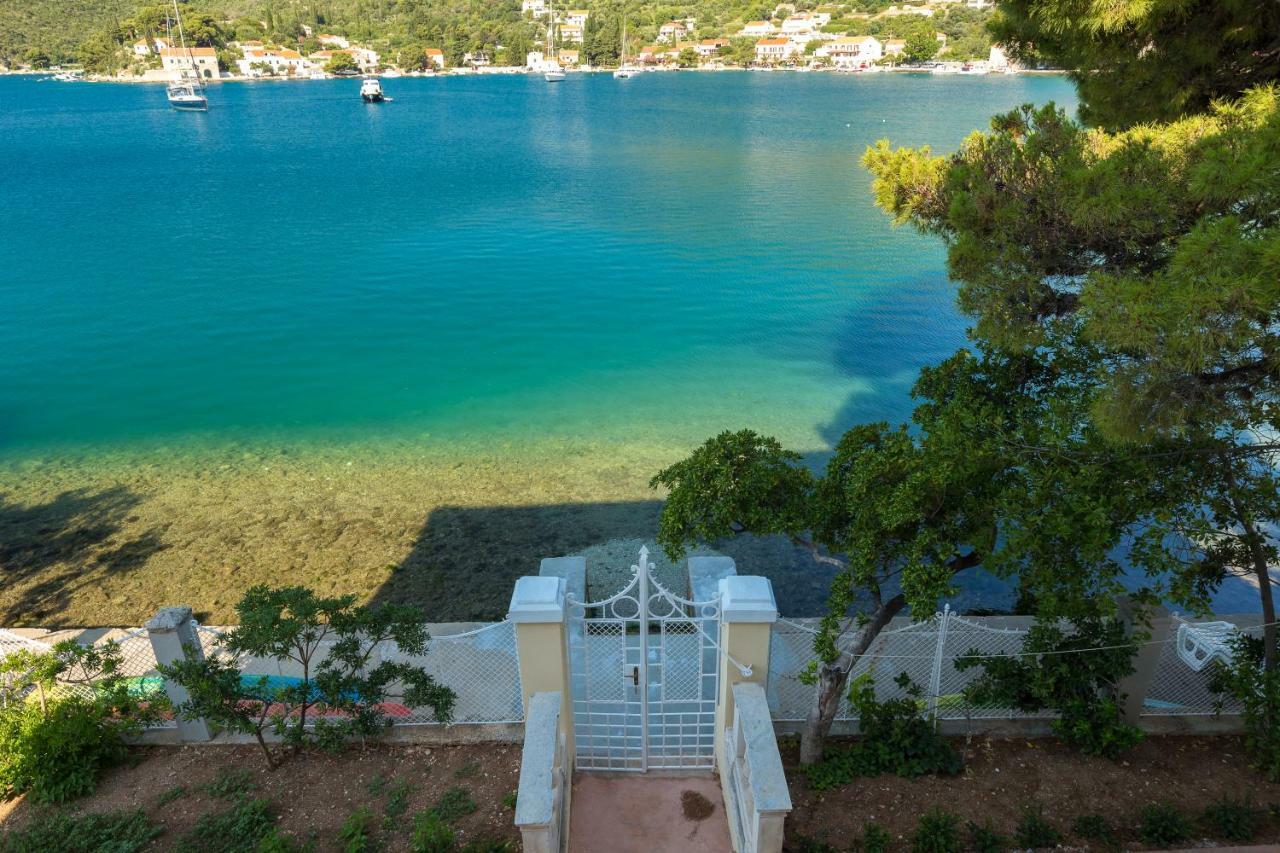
column 643, row 814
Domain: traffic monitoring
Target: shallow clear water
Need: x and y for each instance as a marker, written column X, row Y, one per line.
column 652, row 259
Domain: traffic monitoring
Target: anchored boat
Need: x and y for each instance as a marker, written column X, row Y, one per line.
column 371, row 91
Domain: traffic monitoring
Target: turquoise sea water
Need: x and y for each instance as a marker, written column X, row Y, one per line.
column 651, row 259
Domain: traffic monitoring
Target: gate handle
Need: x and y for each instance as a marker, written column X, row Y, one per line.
column 634, row 676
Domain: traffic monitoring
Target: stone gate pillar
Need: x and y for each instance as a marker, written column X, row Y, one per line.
column 539, row 614
column 747, row 613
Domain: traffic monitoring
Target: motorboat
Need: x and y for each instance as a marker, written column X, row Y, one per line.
column 371, row 91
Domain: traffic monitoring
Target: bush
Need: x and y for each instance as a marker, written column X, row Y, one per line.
column 983, row 838
column 54, row 743
column 1080, row 687
column 58, row 832
column 895, row 738
column 875, row 839
column 1258, row 691
column 1095, row 828
column 489, row 845
column 1163, row 825
column 431, row 835
column 1034, row 831
column 1232, row 820
column 239, row 828
column 937, row 832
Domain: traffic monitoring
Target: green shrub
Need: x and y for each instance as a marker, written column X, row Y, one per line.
column 1095, row 828
column 1163, row 825
column 57, row 753
column 397, row 802
column 241, row 827
column 937, row 832
column 357, row 833
column 177, row 792
column 509, row 800
column 1080, row 687
column 274, row 842
column 983, row 838
column 894, row 738
column 432, row 835
column 58, row 832
column 1034, row 831
column 54, row 744
column 453, row 804
column 805, row 844
column 875, row 839
column 1232, row 820
column 1258, row 691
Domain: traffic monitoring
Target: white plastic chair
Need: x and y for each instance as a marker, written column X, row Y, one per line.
column 1201, row 642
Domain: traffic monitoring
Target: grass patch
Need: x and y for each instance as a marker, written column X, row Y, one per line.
column 453, row 804
column 117, row 832
column 239, row 828
column 177, row 792
column 230, row 784
column 358, row 832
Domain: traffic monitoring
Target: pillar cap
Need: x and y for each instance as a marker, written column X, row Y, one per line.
column 537, row 599
column 168, row 619
column 747, row 598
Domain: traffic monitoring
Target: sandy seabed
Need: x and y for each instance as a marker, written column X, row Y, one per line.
column 106, row 538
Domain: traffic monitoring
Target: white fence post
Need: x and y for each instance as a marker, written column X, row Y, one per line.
column 542, row 802
column 174, row 639
column 935, row 674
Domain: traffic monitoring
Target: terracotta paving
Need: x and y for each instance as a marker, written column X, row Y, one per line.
column 643, row 814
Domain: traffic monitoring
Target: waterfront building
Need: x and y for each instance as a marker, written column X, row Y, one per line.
column 142, row 47
column 568, row 57
column 436, row 57
column 776, row 50
column 853, row 51
column 894, row 47
column 708, row 48
column 202, row 61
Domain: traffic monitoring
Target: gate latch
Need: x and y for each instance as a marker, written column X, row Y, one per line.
column 634, row 676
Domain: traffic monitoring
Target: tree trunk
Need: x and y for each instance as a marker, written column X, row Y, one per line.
column 1263, row 573
column 831, row 682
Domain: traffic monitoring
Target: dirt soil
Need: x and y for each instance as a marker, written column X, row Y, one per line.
column 1003, row 777
column 312, row 794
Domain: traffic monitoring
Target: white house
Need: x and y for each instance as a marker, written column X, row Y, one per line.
column 142, row 47
column 998, row 60
column 805, row 22
column 576, row 17
column 568, row 57
column 894, row 47
column 535, row 7
column 899, row 11
column 260, row 61
column 672, row 31
column 436, row 57
column 203, row 61
column 708, row 48
column 570, row 33
column 776, row 50
column 757, row 29
column 368, row 60
column 853, row 51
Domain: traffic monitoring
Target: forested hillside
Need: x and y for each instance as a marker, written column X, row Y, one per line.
column 91, row 32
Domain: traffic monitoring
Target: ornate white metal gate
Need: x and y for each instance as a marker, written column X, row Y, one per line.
column 644, row 672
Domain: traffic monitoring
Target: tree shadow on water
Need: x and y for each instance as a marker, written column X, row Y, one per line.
column 466, row 559
column 51, row 551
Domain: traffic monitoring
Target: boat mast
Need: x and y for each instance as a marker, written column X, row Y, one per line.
column 622, row 60
column 182, row 38
column 551, row 37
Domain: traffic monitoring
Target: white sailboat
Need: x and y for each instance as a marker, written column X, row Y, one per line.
column 553, row 73
column 187, row 92
column 623, row 71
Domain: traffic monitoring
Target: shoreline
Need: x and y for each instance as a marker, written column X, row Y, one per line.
column 518, row 71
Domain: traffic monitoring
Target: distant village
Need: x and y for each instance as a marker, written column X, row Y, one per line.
column 791, row 39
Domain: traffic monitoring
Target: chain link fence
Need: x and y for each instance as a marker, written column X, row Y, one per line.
column 137, row 666
column 927, row 652
column 480, row 666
